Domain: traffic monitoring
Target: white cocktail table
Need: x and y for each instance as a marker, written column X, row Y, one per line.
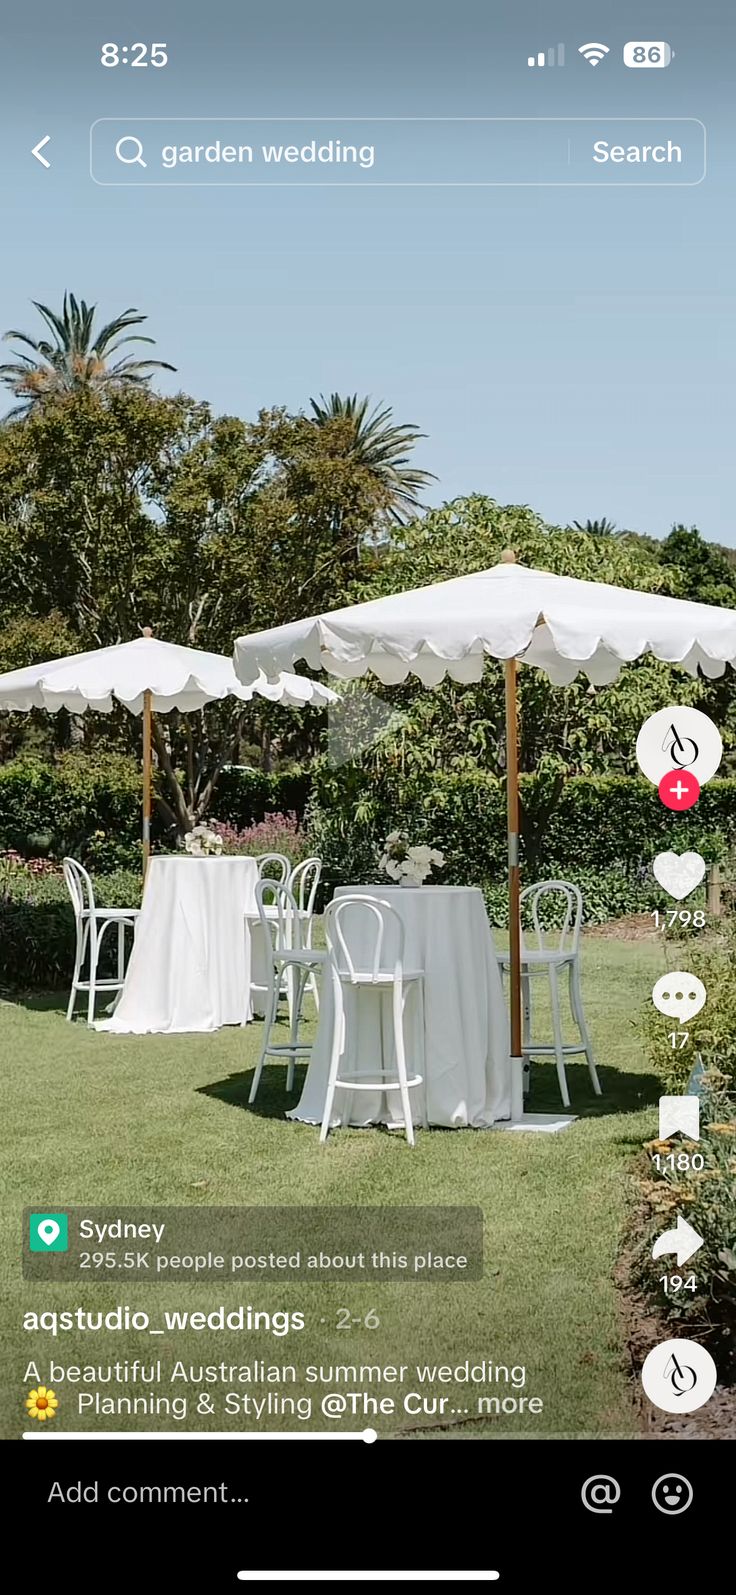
column 190, row 968
column 461, row 1048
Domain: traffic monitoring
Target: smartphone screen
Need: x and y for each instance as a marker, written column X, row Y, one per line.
column 367, row 786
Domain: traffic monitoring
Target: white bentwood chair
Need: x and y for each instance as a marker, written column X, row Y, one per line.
column 282, row 934
column 273, row 867
column 91, row 924
column 554, row 952
column 382, row 972
column 303, row 882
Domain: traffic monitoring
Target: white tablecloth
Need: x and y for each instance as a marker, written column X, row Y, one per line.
column 190, row 968
column 462, row 1049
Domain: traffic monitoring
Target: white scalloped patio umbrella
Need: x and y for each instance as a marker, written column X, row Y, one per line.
column 509, row 613
column 147, row 675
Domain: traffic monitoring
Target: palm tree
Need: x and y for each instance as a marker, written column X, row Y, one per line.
column 381, row 446
column 79, row 357
column 602, row 528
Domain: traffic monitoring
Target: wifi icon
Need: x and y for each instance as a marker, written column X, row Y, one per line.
column 593, row 53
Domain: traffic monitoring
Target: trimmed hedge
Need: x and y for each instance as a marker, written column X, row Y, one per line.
column 90, row 806
column 37, row 935
column 602, row 833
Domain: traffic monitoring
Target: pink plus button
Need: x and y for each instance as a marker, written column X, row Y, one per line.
column 679, row 789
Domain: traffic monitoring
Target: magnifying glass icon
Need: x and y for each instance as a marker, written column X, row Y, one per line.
column 136, row 159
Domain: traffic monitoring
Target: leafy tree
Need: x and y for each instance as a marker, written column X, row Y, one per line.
column 25, row 639
column 132, row 509
column 707, row 573
column 79, row 356
column 379, row 445
column 707, row 576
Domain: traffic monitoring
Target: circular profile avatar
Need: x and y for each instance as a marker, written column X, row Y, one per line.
column 680, row 741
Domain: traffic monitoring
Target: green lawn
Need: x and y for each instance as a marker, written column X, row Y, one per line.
column 92, row 1118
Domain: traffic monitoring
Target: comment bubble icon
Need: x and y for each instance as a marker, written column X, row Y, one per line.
column 679, row 996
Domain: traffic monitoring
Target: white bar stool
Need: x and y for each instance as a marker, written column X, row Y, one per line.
column 282, row 933
column 554, row 953
column 384, row 975
column 91, row 924
column 303, row 882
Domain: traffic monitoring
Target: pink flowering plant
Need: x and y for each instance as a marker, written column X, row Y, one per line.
column 275, row 833
column 14, row 866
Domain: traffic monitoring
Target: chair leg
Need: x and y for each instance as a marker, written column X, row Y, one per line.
column 336, row 1051
column 419, row 986
column 268, row 1023
column 290, row 976
column 296, row 988
column 121, row 951
column 94, row 953
column 554, row 992
column 398, row 1016
column 313, row 984
column 526, row 1030
column 578, row 1013
column 79, row 951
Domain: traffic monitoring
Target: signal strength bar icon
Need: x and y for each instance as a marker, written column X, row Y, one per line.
column 552, row 57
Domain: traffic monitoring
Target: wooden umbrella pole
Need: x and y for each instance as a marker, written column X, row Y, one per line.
column 147, row 717
column 146, row 782
column 513, row 828
column 512, row 814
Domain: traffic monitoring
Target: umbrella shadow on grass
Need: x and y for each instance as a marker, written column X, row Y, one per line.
column 623, row 1091
column 273, row 1100
column 40, row 1001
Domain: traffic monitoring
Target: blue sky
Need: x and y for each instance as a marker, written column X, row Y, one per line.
column 568, row 348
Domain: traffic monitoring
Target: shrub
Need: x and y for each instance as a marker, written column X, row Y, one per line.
column 37, row 934
column 83, row 804
column 244, row 797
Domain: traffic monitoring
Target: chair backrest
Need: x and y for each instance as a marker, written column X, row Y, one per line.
column 377, row 936
column 565, row 900
column 273, row 867
column 79, row 887
column 282, row 925
column 303, row 882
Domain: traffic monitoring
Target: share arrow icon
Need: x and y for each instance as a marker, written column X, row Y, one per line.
column 684, row 1241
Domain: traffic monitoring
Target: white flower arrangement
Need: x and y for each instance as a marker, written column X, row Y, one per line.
column 407, row 864
column 201, row 842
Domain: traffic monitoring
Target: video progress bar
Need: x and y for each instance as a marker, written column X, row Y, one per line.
column 366, row 1435
column 363, row 1577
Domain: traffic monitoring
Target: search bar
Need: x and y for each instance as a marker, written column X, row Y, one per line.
column 397, row 152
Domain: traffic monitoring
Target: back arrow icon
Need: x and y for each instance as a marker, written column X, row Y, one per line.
column 37, row 150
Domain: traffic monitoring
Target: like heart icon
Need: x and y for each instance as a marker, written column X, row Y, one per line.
column 679, row 873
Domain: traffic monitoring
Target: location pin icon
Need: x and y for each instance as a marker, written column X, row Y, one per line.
column 49, row 1231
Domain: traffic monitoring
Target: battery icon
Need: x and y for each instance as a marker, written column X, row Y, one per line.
column 647, row 52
